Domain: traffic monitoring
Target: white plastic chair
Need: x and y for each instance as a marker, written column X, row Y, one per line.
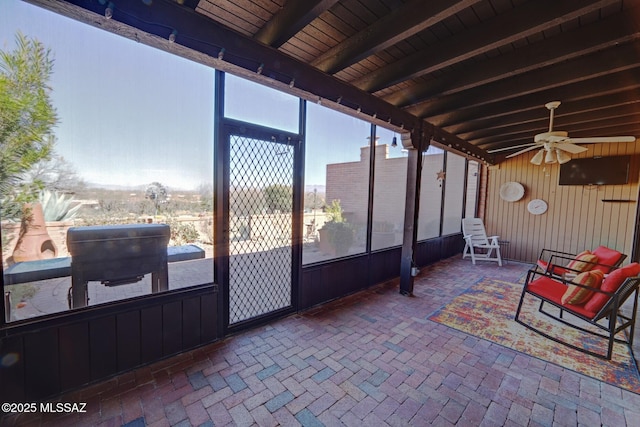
column 477, row 244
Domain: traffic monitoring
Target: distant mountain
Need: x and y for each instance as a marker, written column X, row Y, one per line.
column 321, row 189
column 116, row 187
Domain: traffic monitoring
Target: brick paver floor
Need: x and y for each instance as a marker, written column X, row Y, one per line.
column 370, row 359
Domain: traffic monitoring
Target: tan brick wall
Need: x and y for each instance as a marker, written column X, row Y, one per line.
column 349, row 183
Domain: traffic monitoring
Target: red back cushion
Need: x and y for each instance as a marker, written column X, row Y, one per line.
column 606, row 256
column 611, row 284
column 577, row 295
column 583, row 261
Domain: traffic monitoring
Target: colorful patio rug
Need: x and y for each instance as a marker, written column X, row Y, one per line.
column 486, row 310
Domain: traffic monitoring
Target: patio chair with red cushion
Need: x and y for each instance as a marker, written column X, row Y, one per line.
column 591, row 298
column 558, row 263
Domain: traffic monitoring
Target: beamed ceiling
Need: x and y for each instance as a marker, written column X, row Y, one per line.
column 475, row 74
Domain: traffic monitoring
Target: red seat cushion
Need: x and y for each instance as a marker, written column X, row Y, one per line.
column 547, row 288
column 611, row 284
column 607, row 257
column 552, row 290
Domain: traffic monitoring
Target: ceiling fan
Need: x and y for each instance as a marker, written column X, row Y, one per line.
column 555, row 144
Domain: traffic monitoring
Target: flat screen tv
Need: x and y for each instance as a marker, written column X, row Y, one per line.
column 613, row 170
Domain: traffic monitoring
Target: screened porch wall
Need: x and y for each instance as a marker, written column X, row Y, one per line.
column 64, row 351
column 577, row 217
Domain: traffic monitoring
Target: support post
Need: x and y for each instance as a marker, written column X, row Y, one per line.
column 416, row 143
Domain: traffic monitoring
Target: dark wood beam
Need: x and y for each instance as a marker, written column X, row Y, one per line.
column 509, row 27
column 410, row 19
column 614, row 30
column 600, row 86
column 610, row 61
column 411, row 210
column 292, row 18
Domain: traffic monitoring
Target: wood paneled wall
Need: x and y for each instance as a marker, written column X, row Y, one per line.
column 325, row 282
column 78, row 348
column 577, row 217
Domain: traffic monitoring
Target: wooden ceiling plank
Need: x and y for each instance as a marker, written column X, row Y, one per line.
column 380, row 8
column 413, row 17
column 485, row 10
column 290, row 20
column 586, row 128
column 228, row 19
column 625, row 113
column 467, row 17
column 593, row 128
column 343, row 11
column 586, row 67
column 610, row 32
column 616, row 130
column 600, row 86
column 361, row 9
column 331, row 24
column 567, row 112
column 237, row 12
column 515, row 24
column 299, row 49
column 322, row 35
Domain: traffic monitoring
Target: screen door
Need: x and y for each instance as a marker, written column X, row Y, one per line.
column 261, row 171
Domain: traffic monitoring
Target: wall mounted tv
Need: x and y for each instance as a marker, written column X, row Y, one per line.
column 613, row 170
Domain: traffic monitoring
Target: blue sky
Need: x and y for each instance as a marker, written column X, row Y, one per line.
column 154, row 134
column 165, row 131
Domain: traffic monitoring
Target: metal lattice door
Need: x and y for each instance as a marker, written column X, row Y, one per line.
column 260, row 227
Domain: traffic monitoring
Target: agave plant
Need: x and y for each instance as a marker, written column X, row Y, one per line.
column 57, row 207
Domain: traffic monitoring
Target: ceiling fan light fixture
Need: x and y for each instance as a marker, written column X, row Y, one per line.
column 549, row 157
column 562, row 157
column 537, row 159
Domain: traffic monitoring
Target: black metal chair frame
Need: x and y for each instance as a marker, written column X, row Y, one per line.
column 554, row 263
column 609, row 313
column 567, row 257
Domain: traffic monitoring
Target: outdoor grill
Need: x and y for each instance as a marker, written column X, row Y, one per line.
column 117, row 255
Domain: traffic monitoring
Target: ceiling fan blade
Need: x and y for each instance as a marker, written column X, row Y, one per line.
column 517, row 153
column 510, row 148
column 570, row 148
column 601, row 139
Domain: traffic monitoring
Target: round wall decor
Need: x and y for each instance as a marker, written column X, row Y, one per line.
column 537, row 207
column 511, row 191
